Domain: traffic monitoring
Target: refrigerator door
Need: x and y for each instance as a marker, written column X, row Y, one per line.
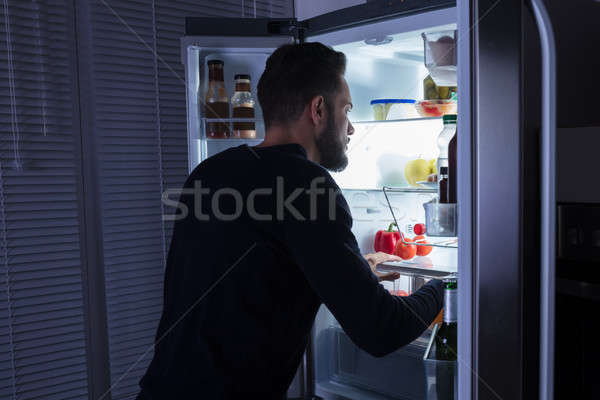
column 493, row 128
column 524, row 54
column 244, row 45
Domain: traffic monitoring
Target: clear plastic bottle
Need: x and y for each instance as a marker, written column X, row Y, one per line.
column 242, row 104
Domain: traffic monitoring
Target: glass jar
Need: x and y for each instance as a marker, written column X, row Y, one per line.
column 242, row 105
column 216, row 103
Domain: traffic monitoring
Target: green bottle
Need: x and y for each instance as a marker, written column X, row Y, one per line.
column 445, row 339
column 444, row 349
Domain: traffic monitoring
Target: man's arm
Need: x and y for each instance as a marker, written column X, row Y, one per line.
column 328, row 254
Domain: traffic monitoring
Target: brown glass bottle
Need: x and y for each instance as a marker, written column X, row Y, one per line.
column 242, row 105
column 216, row 103
column 443, row 185
column 452, row 170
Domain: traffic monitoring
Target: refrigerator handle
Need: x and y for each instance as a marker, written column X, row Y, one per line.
column 548, row 199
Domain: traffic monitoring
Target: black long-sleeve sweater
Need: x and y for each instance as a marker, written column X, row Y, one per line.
column 241, row 291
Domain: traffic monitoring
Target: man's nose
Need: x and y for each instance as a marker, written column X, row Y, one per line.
column 350, row 128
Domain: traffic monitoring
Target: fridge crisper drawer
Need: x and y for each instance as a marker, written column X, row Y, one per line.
column 399, row 375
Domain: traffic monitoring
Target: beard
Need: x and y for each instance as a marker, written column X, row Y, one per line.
column 331, row 148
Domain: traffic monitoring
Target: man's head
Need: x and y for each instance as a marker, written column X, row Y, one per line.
column 303, row 86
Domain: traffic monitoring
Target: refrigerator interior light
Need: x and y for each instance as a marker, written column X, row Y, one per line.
column 379, row 40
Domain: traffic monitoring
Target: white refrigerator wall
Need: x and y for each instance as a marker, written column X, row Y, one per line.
column 373, row 78
column 379, row 152
column 392, row 70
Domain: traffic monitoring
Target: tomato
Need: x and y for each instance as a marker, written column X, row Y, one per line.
column 405, row 251
column 419, row 229
column 422, row 250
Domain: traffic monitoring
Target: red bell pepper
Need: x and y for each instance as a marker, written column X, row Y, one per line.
column 386, row 240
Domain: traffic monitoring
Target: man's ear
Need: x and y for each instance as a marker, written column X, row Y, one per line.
column 317, row 110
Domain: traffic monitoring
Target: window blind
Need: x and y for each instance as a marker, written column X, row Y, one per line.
column 139, row 127
column 42, row 331
column 140, row 120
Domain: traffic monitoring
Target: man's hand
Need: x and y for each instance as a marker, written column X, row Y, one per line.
column 380, row 257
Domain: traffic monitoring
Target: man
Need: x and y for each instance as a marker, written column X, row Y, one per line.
column 267, row 241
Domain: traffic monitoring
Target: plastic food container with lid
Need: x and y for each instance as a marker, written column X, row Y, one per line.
column 435, row 108
column 440, row 56
column 393, row 109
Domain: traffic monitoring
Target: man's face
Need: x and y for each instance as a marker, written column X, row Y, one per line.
column 332, row 143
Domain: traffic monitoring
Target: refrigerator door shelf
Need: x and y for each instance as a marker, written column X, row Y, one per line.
column 258, row 125
column 241, row 55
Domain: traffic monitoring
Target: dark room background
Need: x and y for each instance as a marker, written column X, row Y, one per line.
column 93, row 130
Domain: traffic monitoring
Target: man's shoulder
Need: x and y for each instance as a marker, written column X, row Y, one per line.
column 264, row 167
column 229, row 162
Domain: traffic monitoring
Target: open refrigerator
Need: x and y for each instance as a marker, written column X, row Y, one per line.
column 505, row 315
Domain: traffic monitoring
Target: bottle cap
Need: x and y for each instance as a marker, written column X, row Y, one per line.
column 449, row 118
column 242, row 76
column 215, row 62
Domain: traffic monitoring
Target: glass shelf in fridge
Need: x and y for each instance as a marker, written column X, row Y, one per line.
column 418, row 269
column 258, row 124
column 407, row 189
column 238, row 141
column 395, row 121
column 379, row 151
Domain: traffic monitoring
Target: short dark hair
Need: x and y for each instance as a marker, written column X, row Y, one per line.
column 294, row 75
